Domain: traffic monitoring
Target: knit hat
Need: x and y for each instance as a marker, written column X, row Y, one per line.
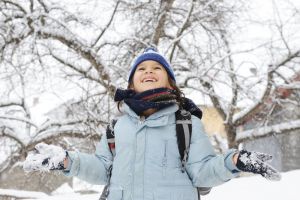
column 151, row 53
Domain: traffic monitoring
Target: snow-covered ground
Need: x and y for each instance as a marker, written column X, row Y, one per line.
column 257, row 188
column 246, row 188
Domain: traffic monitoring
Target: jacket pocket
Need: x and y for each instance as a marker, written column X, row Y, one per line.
column 175, row 193
column 115, row 193
column 171, row 157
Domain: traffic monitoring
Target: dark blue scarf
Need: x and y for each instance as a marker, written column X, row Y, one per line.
column 158, row 98
column 155, row 98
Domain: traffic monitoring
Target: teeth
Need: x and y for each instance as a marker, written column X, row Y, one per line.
column 149, row 80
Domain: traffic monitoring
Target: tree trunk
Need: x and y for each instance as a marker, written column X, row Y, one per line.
column 231, row 135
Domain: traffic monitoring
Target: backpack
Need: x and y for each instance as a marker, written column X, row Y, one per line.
column 183, row 133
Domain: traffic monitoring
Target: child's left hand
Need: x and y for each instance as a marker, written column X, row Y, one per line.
column 255, row 162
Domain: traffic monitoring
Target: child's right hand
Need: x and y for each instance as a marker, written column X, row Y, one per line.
column 44, row 158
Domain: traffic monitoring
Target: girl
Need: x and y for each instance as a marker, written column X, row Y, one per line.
column 147, row 163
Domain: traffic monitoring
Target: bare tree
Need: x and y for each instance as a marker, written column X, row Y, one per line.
column 92, row 44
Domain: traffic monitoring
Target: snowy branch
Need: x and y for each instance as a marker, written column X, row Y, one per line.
column 84, row 51
column 17, row 194
column 267, row 130
column 11, row 103
column 49, row 135
column 28, row 121
column 242, row 116
column 73, row 66
column 107, row 26
column 214, row 97
column 183, row 27
column 52, row 124
column 293, row 86
column 9, row 133
column 165, row 8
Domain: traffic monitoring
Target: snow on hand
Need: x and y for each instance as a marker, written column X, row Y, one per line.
column 44, row 158
column 255, row 162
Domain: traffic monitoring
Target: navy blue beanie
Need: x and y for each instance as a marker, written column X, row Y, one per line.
column 151, row 54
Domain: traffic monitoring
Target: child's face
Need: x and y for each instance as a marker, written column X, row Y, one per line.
column 150, row 75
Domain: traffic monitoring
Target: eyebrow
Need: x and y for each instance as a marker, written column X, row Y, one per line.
column 143, row 65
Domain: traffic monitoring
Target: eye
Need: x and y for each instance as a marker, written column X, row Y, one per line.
column 157, row 67
column 141, row 68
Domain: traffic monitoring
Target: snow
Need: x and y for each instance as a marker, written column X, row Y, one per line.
column 245, row 188
column 35, row 160
column 21, row 194
column 257, row 188
column 268, row 129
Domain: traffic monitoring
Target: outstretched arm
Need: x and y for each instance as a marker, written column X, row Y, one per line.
column 256, row 162
column 89, row 167
column 207, row 169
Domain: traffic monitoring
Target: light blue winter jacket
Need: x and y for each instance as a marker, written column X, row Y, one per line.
column 147, row 165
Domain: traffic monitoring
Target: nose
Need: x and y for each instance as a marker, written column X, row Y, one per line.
column 148, row 71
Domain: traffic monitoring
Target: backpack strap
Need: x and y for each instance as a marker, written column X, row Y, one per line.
column 183, row 133
column 110, row 135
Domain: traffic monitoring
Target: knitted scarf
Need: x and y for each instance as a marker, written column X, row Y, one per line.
column 158, row 98
column 155, row 98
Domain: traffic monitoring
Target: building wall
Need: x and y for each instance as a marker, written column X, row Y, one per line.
column 285, row 149
column 291, row 151
column 270, row 145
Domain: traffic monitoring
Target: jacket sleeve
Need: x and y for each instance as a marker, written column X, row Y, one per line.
column 91, row 167
column 204, row 166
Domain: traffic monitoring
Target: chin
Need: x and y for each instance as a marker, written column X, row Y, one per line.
column 152, row 87
column 149, row 88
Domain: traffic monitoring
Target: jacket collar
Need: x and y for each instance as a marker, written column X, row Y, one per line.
column 163, row 112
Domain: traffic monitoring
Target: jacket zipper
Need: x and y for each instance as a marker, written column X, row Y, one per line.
column 140, row 122
column 164, row 161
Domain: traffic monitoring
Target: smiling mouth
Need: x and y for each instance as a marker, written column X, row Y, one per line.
column 149, row 80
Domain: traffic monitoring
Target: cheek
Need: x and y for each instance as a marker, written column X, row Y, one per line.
column 135, row 79
column 166, row 84
column 170, row 87
column 166, row 81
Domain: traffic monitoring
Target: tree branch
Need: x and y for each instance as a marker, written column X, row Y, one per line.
column 107, row 25
column 281, row 128
column 11, row 103
column 243, row 116
column 50, row 135
column 53, row 124
column 16, row 5
column 165, row 8
column 27, row 121
column 85, row 52
column 214, row 98
column 75, row 68
column 184, row 26
column 9, row 133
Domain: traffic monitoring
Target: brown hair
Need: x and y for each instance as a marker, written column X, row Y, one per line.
column 179, row 94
